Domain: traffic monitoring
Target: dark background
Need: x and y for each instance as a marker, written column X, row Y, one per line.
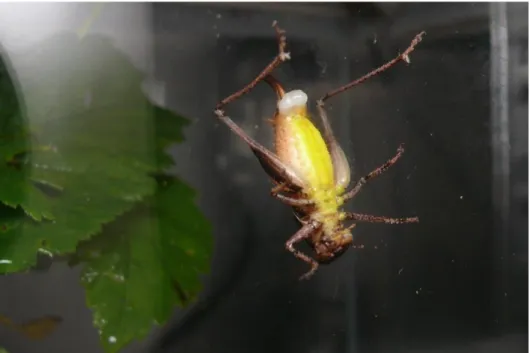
column 457, row 282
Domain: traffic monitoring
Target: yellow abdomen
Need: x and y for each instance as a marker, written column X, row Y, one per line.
column 300, row 145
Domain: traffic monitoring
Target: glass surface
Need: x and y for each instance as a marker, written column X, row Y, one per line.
column 455, row 282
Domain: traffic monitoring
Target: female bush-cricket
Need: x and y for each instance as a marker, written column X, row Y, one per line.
column 309, row 169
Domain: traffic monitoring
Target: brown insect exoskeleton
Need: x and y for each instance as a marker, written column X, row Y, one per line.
column 310, row 170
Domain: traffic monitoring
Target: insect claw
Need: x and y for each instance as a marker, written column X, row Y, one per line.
column 419, row 37
column 405, row 56
column 285, row 56
column 309, row 273
column 276, row 190
column 351, row 226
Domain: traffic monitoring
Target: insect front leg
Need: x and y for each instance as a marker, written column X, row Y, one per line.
column 350, row 194
column 304, row 233
column 358, row 217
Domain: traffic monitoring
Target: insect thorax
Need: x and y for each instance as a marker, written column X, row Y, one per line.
column 327, row 209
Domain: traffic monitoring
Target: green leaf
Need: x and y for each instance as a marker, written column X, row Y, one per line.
column 14, row 140
column 89, row 153
column 145, row 263
column 80, row 213
column 81, row 173
column 168, row 131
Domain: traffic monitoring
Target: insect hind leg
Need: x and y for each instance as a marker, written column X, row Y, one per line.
column 274, row 166
column 340, row 162
column 401, row 57
column 280, row 58
column 268, row 159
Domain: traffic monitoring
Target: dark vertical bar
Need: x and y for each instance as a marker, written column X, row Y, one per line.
column 500, row 130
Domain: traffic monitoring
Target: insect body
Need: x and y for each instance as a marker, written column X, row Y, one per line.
column 321, row 166
column 310, row 169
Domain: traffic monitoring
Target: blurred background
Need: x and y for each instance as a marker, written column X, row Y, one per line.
column 456, row 282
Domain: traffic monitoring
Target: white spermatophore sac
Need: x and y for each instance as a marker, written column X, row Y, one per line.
column 292, row 99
